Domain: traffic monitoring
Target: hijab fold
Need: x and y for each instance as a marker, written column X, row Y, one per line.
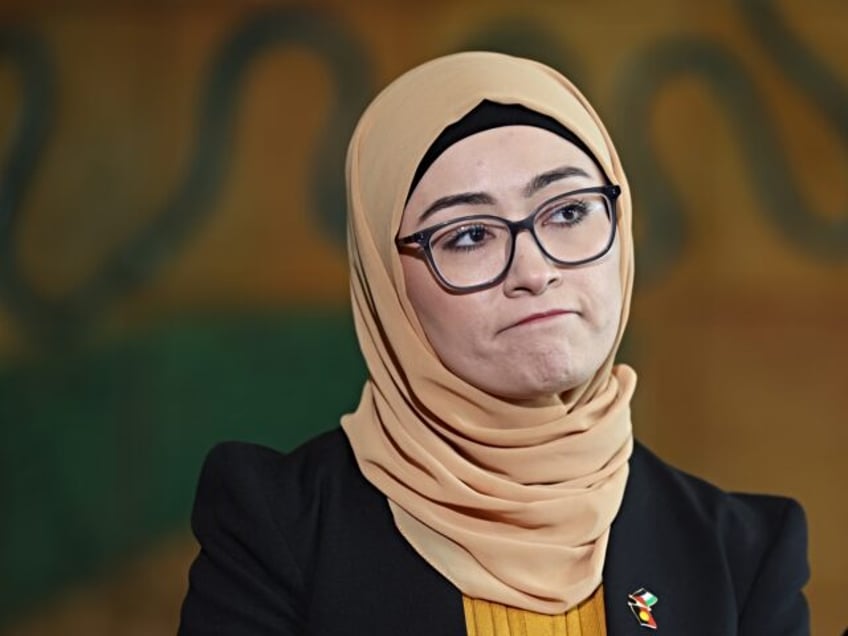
column 511, row 503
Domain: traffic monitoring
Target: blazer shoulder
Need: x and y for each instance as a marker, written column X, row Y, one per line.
column 746, row 513
column 318, row 541
column 290, row 483
column 328, row 448
column 760, row 540
column 255, row 517
column 237, row 456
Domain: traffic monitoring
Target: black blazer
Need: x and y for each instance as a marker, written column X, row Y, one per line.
column 303, row 544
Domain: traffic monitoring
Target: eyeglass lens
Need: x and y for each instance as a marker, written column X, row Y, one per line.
column 473, row 251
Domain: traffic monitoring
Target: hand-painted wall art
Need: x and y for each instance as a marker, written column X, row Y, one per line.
column 172, row 266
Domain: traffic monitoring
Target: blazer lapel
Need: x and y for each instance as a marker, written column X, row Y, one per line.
column 662, row 541
column 634, row 561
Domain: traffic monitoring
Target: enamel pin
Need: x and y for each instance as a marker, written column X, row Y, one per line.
column 641, row 601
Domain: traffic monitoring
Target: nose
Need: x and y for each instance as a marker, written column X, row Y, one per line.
column 531, row 272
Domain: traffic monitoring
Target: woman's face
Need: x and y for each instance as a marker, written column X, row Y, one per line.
column 485, row 337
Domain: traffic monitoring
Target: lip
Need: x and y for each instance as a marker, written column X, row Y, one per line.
column 540, row 317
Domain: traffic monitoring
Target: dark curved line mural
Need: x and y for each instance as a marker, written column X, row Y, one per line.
column 137, row 261
column 818, row 236
column 32, row 61
column 517, row 35
column 661, row 205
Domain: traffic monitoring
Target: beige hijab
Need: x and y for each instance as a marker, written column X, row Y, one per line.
column 511, row 503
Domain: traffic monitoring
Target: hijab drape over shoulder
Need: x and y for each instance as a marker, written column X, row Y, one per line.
column 511, row 503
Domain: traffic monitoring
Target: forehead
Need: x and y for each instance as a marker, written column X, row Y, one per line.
column 500, row 160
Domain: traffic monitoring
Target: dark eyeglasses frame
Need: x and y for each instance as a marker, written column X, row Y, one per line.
column 422, row 237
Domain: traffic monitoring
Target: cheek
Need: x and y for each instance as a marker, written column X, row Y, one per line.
column 605, row 293
column 452, row 323
column 610, row 297
column 431, row 303
column 600, row 292
column 419, row 287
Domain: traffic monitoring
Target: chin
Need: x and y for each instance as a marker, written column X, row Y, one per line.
column 532, row 377
column 538, row 390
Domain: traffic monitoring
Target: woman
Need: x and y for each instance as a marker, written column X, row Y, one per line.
column 488, row 482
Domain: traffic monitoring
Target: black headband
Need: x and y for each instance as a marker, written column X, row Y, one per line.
column 485, row 116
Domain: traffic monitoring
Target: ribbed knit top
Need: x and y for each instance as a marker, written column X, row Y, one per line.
column 483, row 618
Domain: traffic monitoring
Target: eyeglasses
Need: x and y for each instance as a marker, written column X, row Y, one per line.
column 474, row 252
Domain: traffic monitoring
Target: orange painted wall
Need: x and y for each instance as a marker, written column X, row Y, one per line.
column 738, row 329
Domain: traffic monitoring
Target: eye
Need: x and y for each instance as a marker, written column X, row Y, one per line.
column 566, row 213
column 466, row 237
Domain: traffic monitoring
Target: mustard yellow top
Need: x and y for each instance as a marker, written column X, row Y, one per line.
column 483, row 618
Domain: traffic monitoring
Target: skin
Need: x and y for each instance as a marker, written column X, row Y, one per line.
column 476, row 334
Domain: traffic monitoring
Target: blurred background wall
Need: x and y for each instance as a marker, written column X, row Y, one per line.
column 172, row 268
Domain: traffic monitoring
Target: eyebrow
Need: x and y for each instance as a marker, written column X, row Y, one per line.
column 546, row 178
column 466, row 198
column 482, row 198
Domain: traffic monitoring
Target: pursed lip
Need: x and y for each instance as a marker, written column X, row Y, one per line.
column 538, row 317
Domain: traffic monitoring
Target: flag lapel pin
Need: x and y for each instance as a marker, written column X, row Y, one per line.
column 641, row 601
